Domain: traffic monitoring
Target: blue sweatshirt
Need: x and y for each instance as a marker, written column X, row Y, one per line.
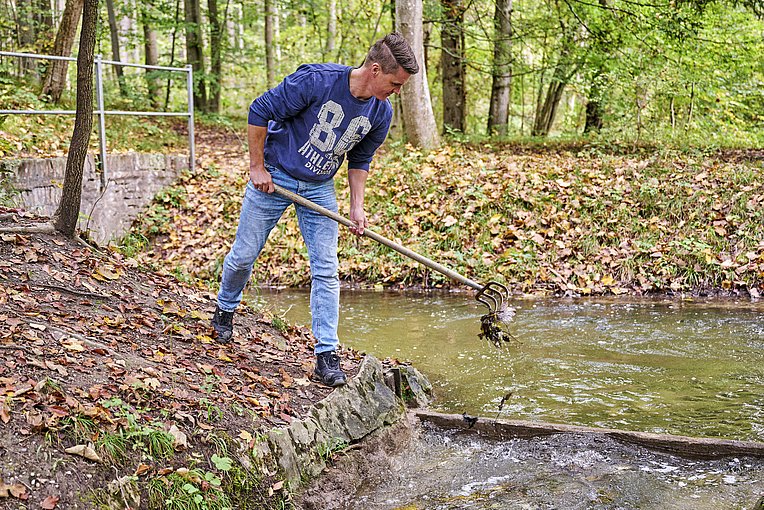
column 314, row 122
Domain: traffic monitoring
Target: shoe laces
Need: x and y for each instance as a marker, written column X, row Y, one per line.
column 332, row 361
column 225, row 318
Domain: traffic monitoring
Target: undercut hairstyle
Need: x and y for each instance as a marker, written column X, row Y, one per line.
column 392, row 52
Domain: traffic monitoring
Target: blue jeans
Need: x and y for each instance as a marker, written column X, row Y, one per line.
column 259, row 214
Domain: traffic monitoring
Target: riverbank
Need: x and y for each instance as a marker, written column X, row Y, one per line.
column 113, row 390
column 546, row 219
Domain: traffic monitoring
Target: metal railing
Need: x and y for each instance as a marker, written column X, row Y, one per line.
column 101, row 112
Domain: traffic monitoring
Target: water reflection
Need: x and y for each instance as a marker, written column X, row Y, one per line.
column 692, row 368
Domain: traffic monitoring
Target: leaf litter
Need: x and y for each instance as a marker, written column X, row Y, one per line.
column 89, row 338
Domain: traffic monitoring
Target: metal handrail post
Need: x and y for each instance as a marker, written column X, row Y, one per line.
column 190, row 86
column 101, row 118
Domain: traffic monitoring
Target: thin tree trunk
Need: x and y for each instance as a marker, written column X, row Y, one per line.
column 172, row 53
column 270, row 64
column 216, row 43
column 453, row 65
column 418, row 117
column 115, row 52
column 331, row 28
column 55, row 76
column 151, row 56
column 593, row 122
column 26, row 33
column 195, row 52
column 68, row 211
column 501, row 82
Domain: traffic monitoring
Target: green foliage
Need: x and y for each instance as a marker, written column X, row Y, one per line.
column 188, row 489
column 133, row 436
column 329, row 449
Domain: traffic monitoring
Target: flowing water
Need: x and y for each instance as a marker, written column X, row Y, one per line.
column 667, row 366
column 691, row 368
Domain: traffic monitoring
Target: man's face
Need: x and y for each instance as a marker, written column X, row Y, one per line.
column 385, row 85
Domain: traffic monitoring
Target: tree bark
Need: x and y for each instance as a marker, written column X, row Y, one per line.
column 593, row 122
column 331, row 28
column 25, row 32
column 216, row 44
column 453, row 66
column 68, row 211
column 151, row 56
column 55, row 76
column 418, row 118
column 563, row 71
column 115, row 52
column 195, row 52
column 270, row 60
column 501, row 82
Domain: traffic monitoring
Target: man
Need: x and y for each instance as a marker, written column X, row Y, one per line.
column 299, row 133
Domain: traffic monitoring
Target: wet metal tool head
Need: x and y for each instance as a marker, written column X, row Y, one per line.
column 494, row 295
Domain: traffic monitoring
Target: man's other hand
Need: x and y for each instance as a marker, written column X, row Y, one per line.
column 358, row 216
column 261, row 179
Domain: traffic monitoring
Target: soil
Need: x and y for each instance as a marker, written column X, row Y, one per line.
column 90, row 341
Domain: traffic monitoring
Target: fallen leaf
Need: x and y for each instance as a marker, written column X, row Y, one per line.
column 180, row 440
column 302, row 381
column 85, row 451
column 141, row 469
column 50, row 502
column 16, row 490
column 246, row 436
column 106, row 272
column 73, row 345
column 5, row 412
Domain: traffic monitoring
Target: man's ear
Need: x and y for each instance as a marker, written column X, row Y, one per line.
column 376, row 68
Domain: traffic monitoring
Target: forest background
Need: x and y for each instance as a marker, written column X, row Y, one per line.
column 603, row 146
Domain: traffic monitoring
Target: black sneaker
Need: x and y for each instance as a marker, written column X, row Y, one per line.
column 328, row 369
column 222, row 323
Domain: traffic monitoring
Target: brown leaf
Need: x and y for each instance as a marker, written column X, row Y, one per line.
column 5, row 412
column 16, row 490
column 85, row 451
column 50, row 502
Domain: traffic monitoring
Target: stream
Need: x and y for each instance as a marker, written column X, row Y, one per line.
column 686, row 367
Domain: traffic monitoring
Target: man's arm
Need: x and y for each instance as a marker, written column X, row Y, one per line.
column 357, row 180
column 259, row 176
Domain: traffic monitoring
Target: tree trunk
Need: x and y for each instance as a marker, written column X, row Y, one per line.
column 68, row 211
column 270, row 60
column 419, row 121
column 331, row 28
column 173, row 40
column 563, row 71
column 546, row 114
column 26, row 32
column 151, row 56
column 195, row 52
column 454, row 68
column 115, row 53
column 216, row 44
column 593, row 122
column 55, row 76
column 501, row 87
column 44, row 20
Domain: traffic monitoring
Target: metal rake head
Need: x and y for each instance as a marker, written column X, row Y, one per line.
column 494, row 295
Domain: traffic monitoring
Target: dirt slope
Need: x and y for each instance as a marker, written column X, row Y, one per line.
column 94, row 348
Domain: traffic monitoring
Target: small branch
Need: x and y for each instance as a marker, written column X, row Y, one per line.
column 72, row 291
column 45, row 228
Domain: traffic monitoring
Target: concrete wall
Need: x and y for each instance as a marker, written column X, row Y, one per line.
column 107, row 209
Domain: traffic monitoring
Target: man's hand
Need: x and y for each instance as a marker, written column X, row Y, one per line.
column 358, row 216
column 259, row 176
column 261, row 179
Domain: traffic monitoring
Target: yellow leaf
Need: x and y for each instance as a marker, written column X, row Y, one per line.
column 106, row 272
